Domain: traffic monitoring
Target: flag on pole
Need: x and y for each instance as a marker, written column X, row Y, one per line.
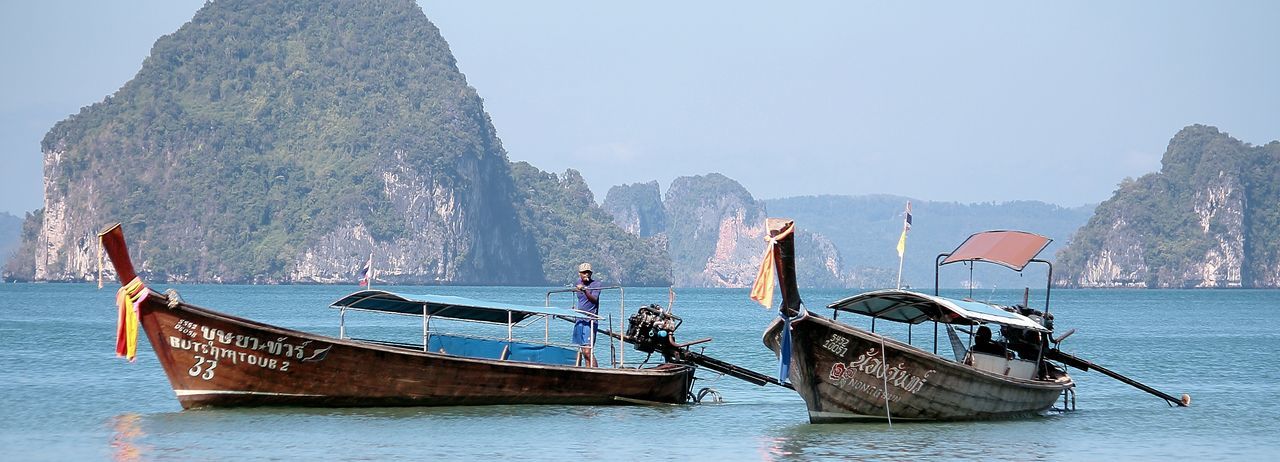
column 906, row 226
column 366, row 273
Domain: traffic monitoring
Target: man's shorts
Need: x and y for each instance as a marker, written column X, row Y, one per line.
column 582, row 332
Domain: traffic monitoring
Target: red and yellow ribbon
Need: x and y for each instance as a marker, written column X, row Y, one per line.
column 128, row 299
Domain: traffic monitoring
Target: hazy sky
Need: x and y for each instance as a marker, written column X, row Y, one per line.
column 950, row 101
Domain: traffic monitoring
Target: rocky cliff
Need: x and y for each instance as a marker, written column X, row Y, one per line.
column 1209, row 218
column 279, row 141
column 637, row 208
column 570, row 228
column 716, row 232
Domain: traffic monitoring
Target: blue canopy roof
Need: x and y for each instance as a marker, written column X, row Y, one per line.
column 914, row 308
column 448, row 306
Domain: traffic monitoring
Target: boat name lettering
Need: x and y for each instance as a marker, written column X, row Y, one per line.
column 869, row 363
column 837, row 344
column 277, row 347
column 842, row 376
column 209, row 353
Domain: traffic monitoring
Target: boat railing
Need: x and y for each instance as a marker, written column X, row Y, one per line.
column 427, row 329
column 622, row 316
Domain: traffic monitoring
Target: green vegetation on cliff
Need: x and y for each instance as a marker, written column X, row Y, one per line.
column 570, row 229
column 1209, row 218
column 637, row 208
column 695, row 207
column 261, row 125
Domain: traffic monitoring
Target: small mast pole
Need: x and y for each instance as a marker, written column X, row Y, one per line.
column 902, row 240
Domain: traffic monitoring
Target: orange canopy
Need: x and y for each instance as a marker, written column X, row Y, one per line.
column 1013, row 249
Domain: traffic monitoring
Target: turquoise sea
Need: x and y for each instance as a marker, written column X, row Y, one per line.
column 65, row 396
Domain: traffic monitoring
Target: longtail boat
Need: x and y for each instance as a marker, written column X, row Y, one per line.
column 214, row 359
column 849, row 373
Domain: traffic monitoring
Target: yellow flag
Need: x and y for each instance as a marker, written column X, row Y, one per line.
column 902, row 243
column 762, row 290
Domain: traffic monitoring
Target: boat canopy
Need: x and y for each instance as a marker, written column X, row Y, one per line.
column 915, row 308
column 1013, row 249
column 447, row 306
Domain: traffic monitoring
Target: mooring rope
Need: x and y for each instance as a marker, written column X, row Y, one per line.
column 885, row 363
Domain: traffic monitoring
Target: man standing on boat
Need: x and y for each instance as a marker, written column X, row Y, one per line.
column 584, row 330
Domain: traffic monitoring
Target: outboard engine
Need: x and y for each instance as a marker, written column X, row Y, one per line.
column 653, row 329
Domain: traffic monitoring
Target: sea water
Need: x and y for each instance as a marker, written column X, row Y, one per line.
column 65, row 396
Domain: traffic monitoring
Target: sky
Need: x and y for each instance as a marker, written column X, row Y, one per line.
column 943, row 101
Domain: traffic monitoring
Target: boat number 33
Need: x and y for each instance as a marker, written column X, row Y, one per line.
column 203, row 368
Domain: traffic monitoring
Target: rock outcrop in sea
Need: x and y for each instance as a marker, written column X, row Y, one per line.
column 714, row 230
column 1210, row 219
column 274, row 141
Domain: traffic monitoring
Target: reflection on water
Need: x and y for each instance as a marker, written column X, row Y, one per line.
column 126, row 429
column 904, row 441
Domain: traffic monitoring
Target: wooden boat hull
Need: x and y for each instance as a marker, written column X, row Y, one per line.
column 839, row 371
column 218, row 360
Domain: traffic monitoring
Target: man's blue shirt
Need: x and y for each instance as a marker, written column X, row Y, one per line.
column 584, row 303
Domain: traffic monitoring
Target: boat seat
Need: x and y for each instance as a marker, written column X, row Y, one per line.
column 1017, row 368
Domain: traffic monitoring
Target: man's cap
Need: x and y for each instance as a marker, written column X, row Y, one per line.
column 584, row 267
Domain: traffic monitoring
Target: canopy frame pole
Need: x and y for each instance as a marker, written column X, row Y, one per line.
column 622, row 314
column 935, row 336
column 1044, row 340
column 970, row 284
column 342, row 322
column 937, row 266
column 426, row 329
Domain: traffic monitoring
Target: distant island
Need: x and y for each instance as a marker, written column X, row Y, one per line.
column 1210, row 218
column 289, row 142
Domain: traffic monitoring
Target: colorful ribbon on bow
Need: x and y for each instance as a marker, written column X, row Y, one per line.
column 128, row 299
column 762, row 291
